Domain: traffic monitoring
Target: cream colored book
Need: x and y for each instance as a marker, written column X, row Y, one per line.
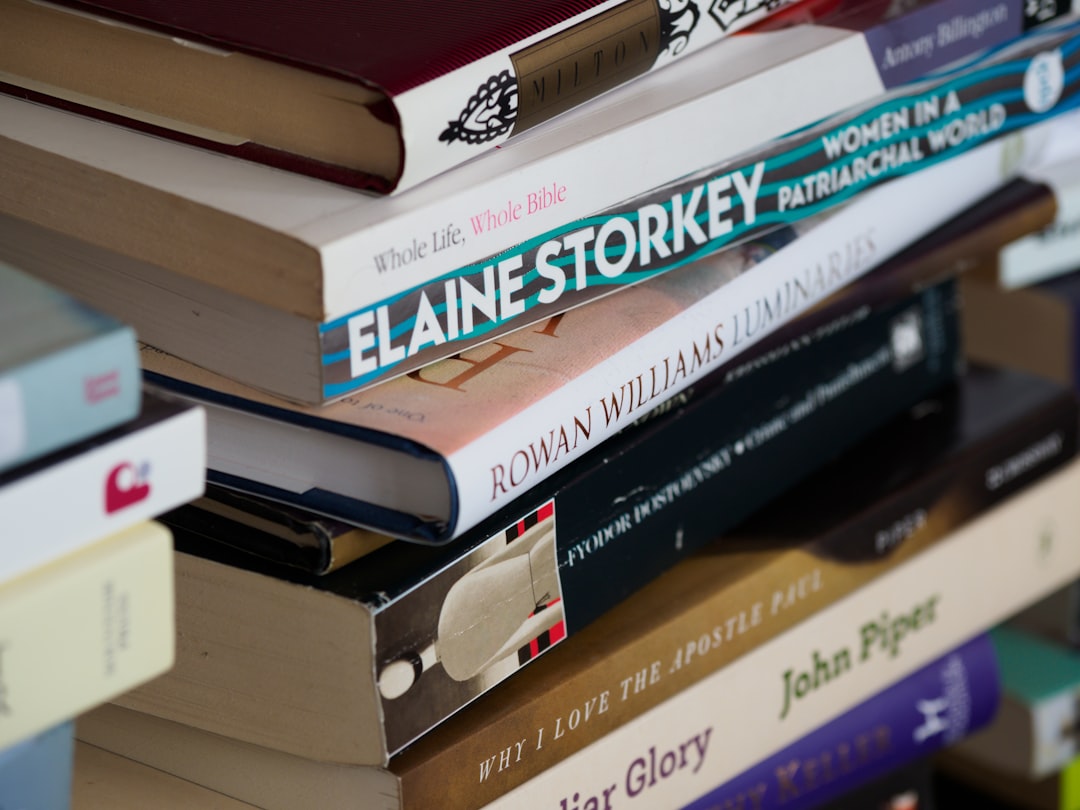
column 85, row 628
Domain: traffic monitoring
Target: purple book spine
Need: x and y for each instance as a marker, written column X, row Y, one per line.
column 945, row 34
column 928, row 710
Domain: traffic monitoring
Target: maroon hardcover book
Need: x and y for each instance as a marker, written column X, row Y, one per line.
column 375, row 94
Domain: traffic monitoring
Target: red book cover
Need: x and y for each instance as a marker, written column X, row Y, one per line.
column 394, row 92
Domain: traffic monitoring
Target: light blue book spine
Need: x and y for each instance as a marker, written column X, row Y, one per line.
column 67, row 372
column 35, row 774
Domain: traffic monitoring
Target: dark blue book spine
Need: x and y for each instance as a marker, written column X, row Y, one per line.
column 930, row 709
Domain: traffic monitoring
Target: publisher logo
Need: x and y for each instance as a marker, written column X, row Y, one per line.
column 126, row 485
column 1044, row 81
column 101, row 386
column 1039, row 12
column 907, row 340
column 1032, row 456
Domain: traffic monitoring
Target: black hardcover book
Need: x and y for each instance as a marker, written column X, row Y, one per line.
column 933, row 451
column 277, row 532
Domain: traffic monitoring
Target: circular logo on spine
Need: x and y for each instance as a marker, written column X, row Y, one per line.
column 1044, row 81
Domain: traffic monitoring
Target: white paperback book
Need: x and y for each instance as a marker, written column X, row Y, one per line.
column 75, row 496
column 85, row 628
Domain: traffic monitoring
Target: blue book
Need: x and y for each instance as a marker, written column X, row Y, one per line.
column 35, row 773
column 67, row 371
column 936, row 706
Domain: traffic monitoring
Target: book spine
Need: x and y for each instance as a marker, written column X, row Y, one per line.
column 933, row 707
column 111, row 485
column 535, row 79
column 786, row 180
column 779, row 692
column 742, row 617
column 883, row 53
column 719, row 327
column 84, row 628
column 67, row 396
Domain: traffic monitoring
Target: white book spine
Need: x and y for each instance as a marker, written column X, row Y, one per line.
column 987, row 570
column 58, row 508
column 593, row 173
column 500, row 465
column 85, row 628
column 427, row 110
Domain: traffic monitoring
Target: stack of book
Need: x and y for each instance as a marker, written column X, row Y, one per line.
column 634, row 458
column 86, row 576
